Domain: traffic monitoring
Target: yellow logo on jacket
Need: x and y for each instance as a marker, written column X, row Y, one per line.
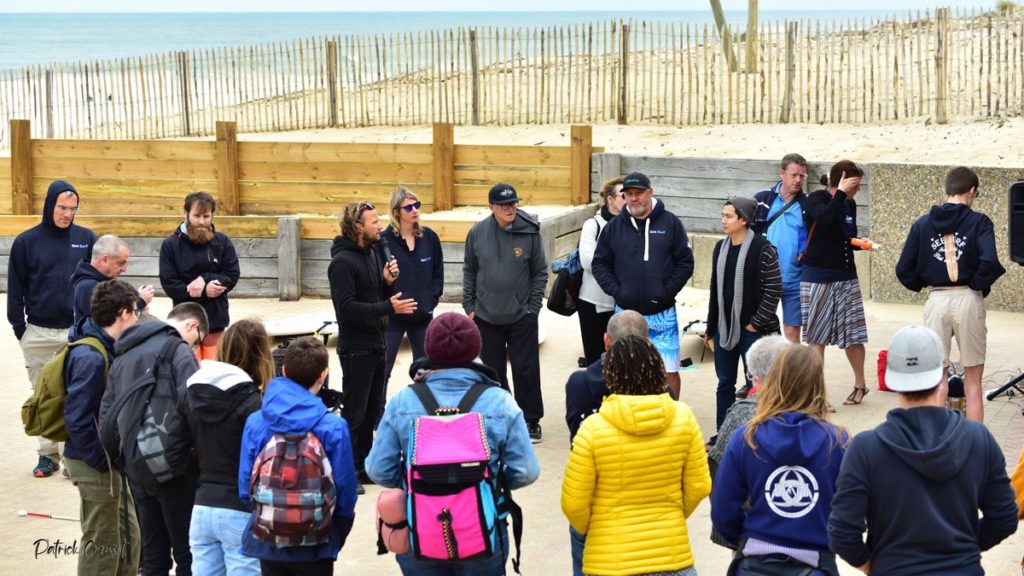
column 517, row 251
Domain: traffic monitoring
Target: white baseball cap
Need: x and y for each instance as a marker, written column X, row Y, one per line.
column 915, row 360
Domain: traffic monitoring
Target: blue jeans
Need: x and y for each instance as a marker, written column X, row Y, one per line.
column 726, row 365
column 215, row 538
column 493, row 566
column 577, row 542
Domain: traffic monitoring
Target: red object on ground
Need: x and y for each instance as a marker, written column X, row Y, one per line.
column 883, row 356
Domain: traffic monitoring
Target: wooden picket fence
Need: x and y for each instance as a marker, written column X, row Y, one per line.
column 940, row 65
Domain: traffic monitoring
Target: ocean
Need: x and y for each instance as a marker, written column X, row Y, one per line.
column 42, row 39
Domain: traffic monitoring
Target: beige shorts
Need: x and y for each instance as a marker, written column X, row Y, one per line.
column 959, row 313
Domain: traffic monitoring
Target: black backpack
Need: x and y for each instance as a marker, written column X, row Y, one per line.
column 136, row 428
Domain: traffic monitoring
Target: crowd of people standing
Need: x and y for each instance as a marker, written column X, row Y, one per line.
column 788, row 488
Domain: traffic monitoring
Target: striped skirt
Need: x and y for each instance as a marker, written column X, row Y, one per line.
column 833, row 313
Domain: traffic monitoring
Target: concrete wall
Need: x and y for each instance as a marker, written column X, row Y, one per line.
column 696, row 188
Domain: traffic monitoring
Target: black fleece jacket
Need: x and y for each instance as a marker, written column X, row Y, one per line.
column 182, row 261
column 40, row 267
column 916, row 483
column 923, row 260
column 360, row 295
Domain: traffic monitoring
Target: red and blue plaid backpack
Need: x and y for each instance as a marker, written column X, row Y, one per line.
column 292, row 492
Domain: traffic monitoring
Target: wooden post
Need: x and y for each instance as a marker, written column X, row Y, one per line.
column 289, row 259
column 332, row 81
column 582, row 139
column 941, row 58
column 21, row 166
column 787, row 102
column 49, row 103
column 624, row 59
column 751, row 39
column 475, row 65
column 444, row 166
column 186, row 116
column 227, row 167
column 723, row 32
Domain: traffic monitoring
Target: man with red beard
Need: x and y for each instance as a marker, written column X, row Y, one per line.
column 199, row 264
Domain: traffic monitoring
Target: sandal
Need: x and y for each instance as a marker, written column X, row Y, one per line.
column 856, row 397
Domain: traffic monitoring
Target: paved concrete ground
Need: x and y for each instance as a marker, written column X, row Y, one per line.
column 546, row 546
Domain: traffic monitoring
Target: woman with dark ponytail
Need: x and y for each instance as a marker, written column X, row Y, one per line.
column 831, row 303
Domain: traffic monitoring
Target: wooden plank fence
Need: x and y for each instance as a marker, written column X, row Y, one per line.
column 964, row 63
column 146, row 178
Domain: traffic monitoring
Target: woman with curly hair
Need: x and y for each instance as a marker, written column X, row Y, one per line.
column 784, row 462
column 622, row 487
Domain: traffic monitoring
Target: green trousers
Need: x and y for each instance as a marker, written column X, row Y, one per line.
column 110, row 541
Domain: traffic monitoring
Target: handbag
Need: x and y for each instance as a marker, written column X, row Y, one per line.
column 564, row 296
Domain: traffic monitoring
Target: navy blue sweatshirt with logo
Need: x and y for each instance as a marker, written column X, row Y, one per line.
column 643, row 263
column 40, row 267
column 923, row 260
column 420, row 274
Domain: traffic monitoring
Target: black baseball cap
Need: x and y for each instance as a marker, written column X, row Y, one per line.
column 636, row 180
column 502, row 193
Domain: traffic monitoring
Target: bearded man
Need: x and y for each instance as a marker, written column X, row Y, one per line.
column 361, row 280
column 199, row 264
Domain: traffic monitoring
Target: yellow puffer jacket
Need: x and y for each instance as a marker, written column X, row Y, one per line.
column 637, row 470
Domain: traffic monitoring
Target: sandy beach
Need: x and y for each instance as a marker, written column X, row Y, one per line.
column 987, row 142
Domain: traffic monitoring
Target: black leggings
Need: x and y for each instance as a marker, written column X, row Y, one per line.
column 592, row 328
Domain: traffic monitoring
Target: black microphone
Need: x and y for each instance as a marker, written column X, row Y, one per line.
column 387, row 255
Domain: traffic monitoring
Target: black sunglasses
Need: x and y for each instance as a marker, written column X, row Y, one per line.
column 410, row 207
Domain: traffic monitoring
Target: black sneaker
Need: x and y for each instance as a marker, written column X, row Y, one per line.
column 535, row 434
column 47, row 466
column 743, row 392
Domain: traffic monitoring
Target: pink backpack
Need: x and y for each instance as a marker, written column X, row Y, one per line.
column 453, row 500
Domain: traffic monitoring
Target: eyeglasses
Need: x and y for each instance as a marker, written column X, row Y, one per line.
column 138, row 313
column 411, row 207
column 508, row 206
column 68, row 209
column 199, row 339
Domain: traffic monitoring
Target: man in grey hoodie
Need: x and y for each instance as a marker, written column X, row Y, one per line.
column 504, row 274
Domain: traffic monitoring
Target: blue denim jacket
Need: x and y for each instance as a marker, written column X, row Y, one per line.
column 506, row 429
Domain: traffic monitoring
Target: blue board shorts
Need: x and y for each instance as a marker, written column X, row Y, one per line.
column 663, row 329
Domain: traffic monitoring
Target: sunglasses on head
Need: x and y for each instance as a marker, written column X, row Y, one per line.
column 363, row 207
column 409, row 207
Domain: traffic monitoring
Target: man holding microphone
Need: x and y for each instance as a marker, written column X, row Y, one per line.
column 361, row 292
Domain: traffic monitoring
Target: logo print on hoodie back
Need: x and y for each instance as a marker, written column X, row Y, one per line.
column 791, row 491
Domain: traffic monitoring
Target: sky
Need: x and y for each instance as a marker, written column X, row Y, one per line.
column 459, row 5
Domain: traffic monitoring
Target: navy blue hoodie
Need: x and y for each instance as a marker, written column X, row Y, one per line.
column 182, row 260
column 643, row 264
column 83, row 282
column 421, row 275
column 916, row 483
column 40, row 267
column 85, row 381
column 584, row 392
column 789, row 483
column 923, row 260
